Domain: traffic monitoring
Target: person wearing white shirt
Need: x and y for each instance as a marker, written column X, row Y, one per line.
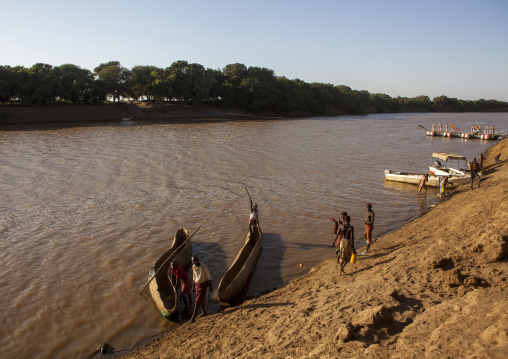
column 202, row 280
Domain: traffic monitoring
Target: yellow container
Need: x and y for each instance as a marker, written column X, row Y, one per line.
column 353, row 258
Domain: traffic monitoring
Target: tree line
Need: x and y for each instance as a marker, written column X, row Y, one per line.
column 234, row 86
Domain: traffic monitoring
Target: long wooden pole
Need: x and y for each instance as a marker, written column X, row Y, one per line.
column 172, row 256
column 259, row 226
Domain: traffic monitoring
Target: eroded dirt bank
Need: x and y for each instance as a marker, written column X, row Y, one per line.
column 116, row 112
column 436, row 288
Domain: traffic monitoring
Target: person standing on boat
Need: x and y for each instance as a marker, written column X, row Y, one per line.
column 473, row 168
column 179, row 274
column 336, row 231
column 369, row 225
column 202, row 281
column 423, row 183
column 347, row 243
column 253, row 218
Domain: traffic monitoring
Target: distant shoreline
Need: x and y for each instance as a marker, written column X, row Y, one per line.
column 47, row 114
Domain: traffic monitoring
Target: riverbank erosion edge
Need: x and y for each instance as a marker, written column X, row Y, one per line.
column 146, row 111
column 138, row 111
column 435, row 288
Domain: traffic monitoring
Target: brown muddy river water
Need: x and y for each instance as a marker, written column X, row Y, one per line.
column 86, row 210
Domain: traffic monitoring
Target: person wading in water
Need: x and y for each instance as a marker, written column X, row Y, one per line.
column 423, row 183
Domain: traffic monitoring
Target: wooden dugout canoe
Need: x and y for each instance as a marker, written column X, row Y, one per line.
column 162, row 291
column 244, row 264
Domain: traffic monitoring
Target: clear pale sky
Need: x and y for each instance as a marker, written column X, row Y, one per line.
column 456, row 48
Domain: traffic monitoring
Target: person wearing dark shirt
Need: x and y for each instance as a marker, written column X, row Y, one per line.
column 474, row 168
column 369, row 225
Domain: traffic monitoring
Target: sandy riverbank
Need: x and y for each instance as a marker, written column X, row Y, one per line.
column 435, row 288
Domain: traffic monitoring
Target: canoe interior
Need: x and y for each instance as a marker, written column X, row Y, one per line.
column 244, row 264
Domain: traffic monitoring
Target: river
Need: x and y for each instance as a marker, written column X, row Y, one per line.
column 88, row 208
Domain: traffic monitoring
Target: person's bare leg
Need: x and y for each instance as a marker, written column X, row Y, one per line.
column 203, row 309
column 193, row 318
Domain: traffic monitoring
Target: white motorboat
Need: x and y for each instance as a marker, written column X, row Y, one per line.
column 414, row 178
column 456, row 175
column 448, row 169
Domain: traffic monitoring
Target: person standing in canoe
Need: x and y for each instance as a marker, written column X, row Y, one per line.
column 347, row 243
column 423, row 183
column 336, row 231
column 253, row 218
column 369, row 225
column 202, row 281
column 179, row 274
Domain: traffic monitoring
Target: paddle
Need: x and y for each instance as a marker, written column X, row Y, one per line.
column 260, row 231
column 172, row 256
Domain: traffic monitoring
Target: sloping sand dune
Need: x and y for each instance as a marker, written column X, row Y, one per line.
column 436, row 288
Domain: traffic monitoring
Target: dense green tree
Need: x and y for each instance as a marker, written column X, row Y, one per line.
column 236, row 85
column 144, row 81
column 220, row 88
column 113, row 79
column 42, row 84
column 235, row 76
column 74, row 83
column 201, row 81
column 446, row 103
column 324, row 98
column 383, row 102
column 259, row 88
column 291, row 97
column 354, row 101
column 7, row 84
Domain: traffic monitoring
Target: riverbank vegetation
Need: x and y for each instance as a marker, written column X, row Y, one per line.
column 234, row 86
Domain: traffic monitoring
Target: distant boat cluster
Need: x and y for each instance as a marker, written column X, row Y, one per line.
column 487, row 133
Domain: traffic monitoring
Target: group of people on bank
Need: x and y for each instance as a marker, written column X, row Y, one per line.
column 475, row 169
column 201, row 283
column 344, row 240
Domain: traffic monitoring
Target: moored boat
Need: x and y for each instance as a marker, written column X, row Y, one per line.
column 455, row 168
column 455, row 173
column 488, row 133
column 163, row 293
column 244, row 264
column 414, row 178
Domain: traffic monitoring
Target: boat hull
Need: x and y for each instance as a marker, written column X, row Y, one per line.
column 243, row 266
column 433, row 180
column 162, row 291
column 464, row 135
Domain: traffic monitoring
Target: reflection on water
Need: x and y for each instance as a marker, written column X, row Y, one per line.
column 87, row 210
